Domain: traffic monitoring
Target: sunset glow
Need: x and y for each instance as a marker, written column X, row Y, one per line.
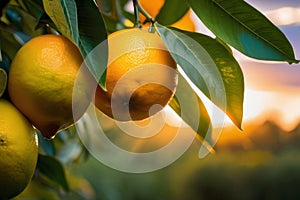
column 281, row 107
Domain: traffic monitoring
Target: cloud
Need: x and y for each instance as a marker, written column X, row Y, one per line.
column 264, row 5
column 284, row 16
column 271, row 76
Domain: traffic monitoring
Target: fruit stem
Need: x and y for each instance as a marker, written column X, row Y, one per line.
column 137, row 22
column 114, row 8
column 139, row 9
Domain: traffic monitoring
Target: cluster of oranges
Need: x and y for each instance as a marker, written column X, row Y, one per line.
column 48, row 69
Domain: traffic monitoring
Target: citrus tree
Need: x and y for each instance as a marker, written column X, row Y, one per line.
column 41, row 85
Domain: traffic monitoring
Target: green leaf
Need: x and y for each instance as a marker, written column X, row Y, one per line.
column 92, row 34
column 3, row 81
column 53, row 169
column 64, row 15
column 35, row 8
column 105, row 6
column 13, row 16
column 9, row 41
column 224, row 44
column 184, row 92
column 178, row 8
column 4, row 60
column 111, row 24
column 210, row 66
column 115, row 14
column 4, row 65
column 22, row 20
column 245, row 28
column 70, row 11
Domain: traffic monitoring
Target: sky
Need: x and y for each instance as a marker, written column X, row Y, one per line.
column 273, row 88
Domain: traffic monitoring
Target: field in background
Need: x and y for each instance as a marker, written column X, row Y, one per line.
column 261, row 163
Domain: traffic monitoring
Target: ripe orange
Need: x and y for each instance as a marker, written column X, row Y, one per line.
column 153, row 7
column 41, row 83
column 141, row 74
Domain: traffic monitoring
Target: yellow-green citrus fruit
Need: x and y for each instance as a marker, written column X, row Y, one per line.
column 18, row 150
column 36, row 190
column 41, row 83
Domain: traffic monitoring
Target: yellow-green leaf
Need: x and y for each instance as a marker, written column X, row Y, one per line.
column 64, row 15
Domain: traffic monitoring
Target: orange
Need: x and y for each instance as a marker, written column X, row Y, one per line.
column 41, row 83
column 141, row 76
column 18, row 150
column 153, row 7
